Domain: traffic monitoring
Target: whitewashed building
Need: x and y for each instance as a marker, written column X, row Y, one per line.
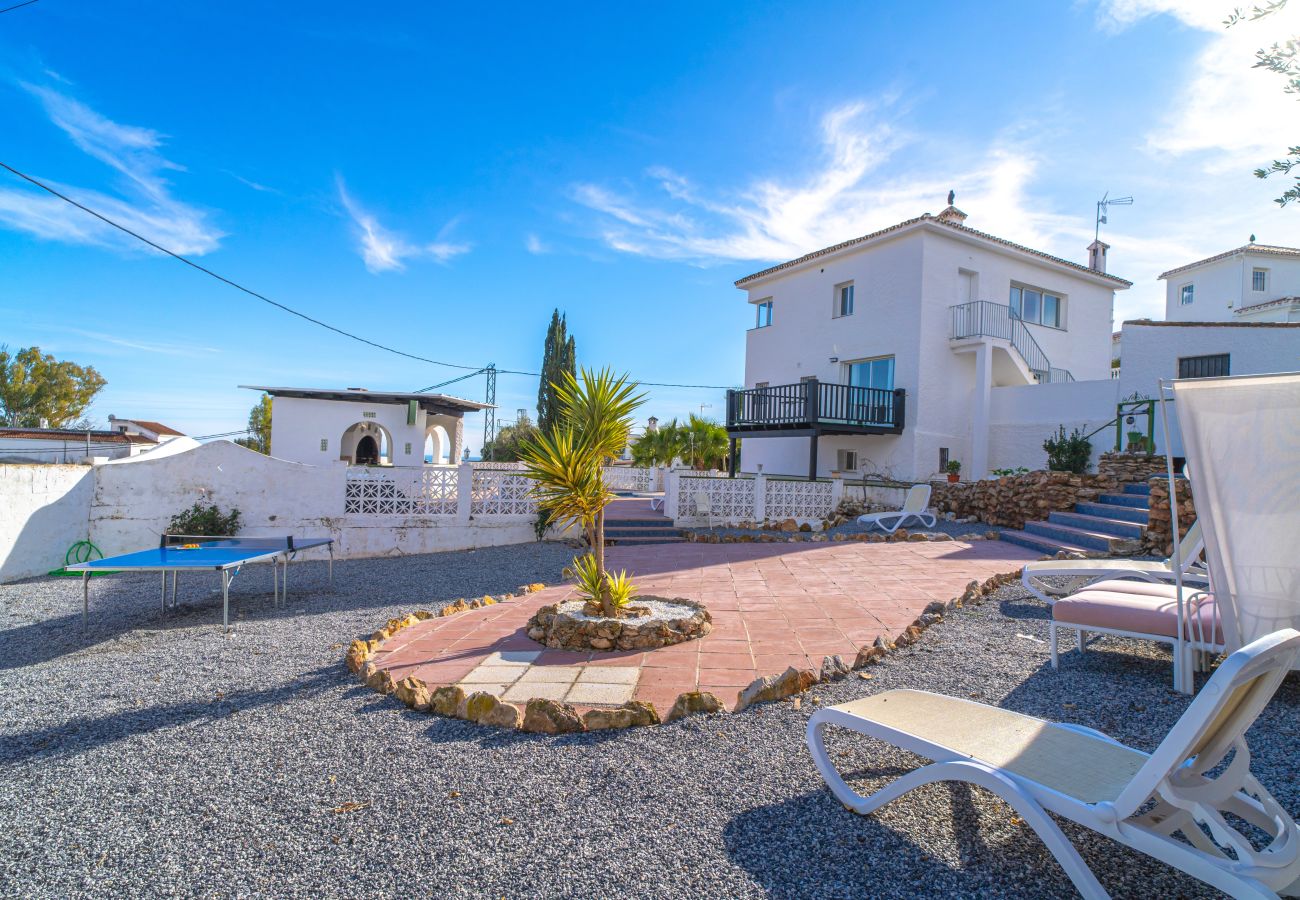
column 1252, row 283
column 323, row 426
column 925, row 342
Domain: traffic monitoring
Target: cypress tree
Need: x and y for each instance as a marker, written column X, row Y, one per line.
column 559, row 355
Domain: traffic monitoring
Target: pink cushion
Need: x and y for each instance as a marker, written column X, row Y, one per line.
column 1166, row 590
column 1147, row 612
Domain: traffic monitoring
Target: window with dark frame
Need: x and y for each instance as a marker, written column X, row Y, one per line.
column 1186, row 294
column 1213, row 366
column 1259, row 280
column 844, row 299
column 1035, row 305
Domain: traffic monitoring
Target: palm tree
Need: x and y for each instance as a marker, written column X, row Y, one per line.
column 659, row 447
column 706, row 443
column 567, row 465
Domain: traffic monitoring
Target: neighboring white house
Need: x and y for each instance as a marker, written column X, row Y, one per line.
column 890, row 352
column 154, row 431
column 66, row 445
column 321, row 426
column 1253, row 283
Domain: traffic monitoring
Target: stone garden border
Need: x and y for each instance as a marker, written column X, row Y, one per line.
column 558, row 629
column 539, row 716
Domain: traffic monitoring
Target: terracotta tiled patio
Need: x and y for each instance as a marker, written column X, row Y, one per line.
column 773, row 606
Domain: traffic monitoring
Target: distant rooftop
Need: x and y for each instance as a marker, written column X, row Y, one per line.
column 949, row 218
column 1254, row 249
column 71, row 434
column 428, row 402
column 155, row 427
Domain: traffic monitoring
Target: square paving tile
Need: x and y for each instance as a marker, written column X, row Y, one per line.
column 497, row 689
column 486, row 674
column 512, row 657
column 550, row 674
column 523, row 691
column 601, row 694
column 608, row 675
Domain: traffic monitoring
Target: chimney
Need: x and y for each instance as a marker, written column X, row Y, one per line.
column 952, row 215
column 1097, row 256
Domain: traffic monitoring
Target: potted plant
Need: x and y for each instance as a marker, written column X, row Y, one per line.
column 1137, row 442
column 954, row 471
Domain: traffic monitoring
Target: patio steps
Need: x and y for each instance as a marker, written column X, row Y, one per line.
column 639, row 526
column 1112, row 525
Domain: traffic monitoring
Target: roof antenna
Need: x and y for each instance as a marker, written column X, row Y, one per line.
column 1104, row 202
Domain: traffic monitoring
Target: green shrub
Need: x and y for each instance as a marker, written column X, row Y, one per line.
column 205, row 519
column 1068, row 452
column 1018, row 470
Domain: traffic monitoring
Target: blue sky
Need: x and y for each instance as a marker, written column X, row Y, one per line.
column 438, row 179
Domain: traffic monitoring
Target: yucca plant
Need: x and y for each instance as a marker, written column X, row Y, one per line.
column 567, row 465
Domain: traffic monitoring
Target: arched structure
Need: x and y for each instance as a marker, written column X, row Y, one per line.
column 366, row 444
column 437, row 447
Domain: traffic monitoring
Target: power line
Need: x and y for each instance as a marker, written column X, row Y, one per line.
column 17, row 6
column 252, row 293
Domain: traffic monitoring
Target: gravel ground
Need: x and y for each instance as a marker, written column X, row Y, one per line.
column 155, row 756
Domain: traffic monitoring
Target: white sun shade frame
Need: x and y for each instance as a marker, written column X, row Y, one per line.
column 1242, row 440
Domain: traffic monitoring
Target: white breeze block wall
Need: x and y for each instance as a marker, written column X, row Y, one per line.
column 43, row 511
column 1022, row 417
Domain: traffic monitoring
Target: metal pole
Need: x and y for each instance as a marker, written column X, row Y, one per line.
column 331, row 549
column 174, row 574
column 162, row 596
column 1183, row 679
column 85, row 597
column 225, row 599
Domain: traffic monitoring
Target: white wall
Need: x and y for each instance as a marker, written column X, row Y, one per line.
column 1222, row 286
column 1152, row 351
column 44, row 510
column 298, row 425
column 60, row 450
column 1021, row 418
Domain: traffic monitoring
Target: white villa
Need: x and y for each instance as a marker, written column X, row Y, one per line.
column 1253, row 283
column 122, row 439
column 925, row 342
column 322, row 426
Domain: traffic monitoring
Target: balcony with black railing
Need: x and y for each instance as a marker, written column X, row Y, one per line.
column 815, row 407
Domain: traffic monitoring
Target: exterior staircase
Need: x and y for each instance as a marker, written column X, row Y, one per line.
column 630, row 521
column 1114, row 525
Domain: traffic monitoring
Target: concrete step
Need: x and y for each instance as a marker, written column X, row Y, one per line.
column 1138, row 487
column 663, row 522
column 1113, row 511
column 667, row 531
column 1100, row 524
column 1133, row 501
column 634, row 541
column 1045, row 545
column 1080, row 537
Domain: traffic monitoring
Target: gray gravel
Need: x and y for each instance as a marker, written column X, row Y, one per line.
column 154, row 756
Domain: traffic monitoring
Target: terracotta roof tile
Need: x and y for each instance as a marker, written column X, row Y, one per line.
column 155, row 427
column 71, row 434
column 1280, row 301
column 965, row 229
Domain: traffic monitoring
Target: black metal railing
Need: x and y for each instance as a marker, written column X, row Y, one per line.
column 984, row 318
column 814, row 403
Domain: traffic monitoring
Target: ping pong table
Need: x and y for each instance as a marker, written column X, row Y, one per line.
column 202, row 553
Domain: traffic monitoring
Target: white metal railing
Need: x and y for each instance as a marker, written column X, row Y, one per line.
column 983, row 318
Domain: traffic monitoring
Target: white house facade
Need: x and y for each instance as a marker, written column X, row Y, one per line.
column 1253, row 283
column 324, row 426
column 882, row 354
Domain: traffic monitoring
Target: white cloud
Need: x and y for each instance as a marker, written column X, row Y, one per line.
column 384, row 251
column 534, row 245
column 144, row 205
column 847, row 193
column 1229, row 115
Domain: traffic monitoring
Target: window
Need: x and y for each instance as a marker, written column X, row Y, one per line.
column 367, row 415
column 408, row 449
column 763, row 314
column 1259, row 280
column 324, row 444
column 760, row 384
column 843, row 299
column 846, row 460
column 1037, row 306
column 1186, row 294
column 1204, row 366
column 873, row 373
column 943, row 459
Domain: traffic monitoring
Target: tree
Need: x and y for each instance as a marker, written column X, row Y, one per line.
column 36, row 387
column 1281, row 59
column 706, row 443
column 559, row 358
column 567, row 466
column 510, row 442
column 659, row 447
column 259, row 427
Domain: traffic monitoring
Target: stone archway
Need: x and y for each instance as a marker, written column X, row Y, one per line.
column 437, row 446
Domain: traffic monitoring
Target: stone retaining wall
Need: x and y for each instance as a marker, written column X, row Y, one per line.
column 1012, row 500
column 1130, row 467
column 1158, row 539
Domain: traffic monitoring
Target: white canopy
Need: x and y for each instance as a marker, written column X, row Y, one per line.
column 1242, row 440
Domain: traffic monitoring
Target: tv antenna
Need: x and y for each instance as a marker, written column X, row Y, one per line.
column 1104, row 202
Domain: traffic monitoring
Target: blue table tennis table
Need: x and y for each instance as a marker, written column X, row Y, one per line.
column 177, row 553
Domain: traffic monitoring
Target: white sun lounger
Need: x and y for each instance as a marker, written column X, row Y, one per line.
column 1041, row 767
column 918, row 497
column 1084, row 572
